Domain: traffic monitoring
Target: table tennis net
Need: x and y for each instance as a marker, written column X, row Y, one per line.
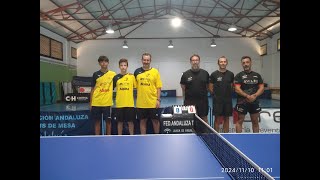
column 238, row 165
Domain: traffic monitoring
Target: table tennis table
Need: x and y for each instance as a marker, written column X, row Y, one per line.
column 159, row 157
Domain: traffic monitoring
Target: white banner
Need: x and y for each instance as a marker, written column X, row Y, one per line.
column 269, row 122
column 84, row 89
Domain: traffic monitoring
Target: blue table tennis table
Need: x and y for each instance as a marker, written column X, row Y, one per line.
column 159, row 157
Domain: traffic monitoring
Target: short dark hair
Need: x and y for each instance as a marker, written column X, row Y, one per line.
column 222, row 57
column 123, row 60
column 146, row 54
column 103, row 58
column 196, row 56
column 245, row 57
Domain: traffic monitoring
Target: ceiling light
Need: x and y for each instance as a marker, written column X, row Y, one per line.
column 176, row 22
column 232, row 28
column 125, row 45
column 109, row 29
column 170, row 44
column 213, row 43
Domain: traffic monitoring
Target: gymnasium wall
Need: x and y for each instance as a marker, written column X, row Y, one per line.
column 271, row 62
column 56, row 73
column 170, row 62
column 52, row 70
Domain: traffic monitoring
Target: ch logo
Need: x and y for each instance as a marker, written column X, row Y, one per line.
column 167, row 130
column 71, row 98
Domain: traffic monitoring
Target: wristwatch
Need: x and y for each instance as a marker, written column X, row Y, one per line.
column 159, row 100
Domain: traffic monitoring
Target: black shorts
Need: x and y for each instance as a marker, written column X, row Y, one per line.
column 222, row 109
column 125, row 114
column 244, row 108
column 98, row 111
column 201, row 104
column 145, row 113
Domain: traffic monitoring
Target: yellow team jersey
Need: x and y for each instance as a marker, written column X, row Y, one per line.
column 147, row 84
column 124, row 85
column 103, row 89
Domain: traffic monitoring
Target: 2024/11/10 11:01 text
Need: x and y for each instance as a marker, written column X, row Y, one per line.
column 232, row 170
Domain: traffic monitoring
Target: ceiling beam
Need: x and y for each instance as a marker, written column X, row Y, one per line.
column 195, row 12
column 111, row 14
column 277, row 2
column 141, row 23
column 217, row 20
column 260, row 20
column 173, row 5
column 96, row 18
column 102, row 28
column 191, row 37
column 126, row 20
column 261, row 30
column 211, row 11
column 141, row 8
column 240, row 16
column 79, row 35
column 181, row 6
column 133, row 29
column 248, row 29
column 126, row 9
column 78, row 9
column 63, row 8
column 226, row 15
column 248, row 17
column 229, row 8
column 195, row 23
column 203, row 28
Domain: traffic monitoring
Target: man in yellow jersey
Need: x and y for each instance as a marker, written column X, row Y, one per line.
column 101, row 95
column 124, row 82
column 148, row 94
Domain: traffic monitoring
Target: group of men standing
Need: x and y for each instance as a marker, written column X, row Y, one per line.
column 195, row 84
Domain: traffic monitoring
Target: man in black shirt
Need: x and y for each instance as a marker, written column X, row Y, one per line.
column 194, row 84
column 248, row 86
column 220, row 87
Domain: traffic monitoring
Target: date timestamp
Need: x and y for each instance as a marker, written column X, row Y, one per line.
column 267, row 170
column 245, row 170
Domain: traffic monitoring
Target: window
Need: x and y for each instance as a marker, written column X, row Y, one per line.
column 73, row 52
column 56, row 49
column 51, row 48
column 263, row 50
column 278, row 44
column 44, row 45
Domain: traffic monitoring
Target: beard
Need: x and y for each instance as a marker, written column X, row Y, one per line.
column 195, row 68
column 146, row 65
